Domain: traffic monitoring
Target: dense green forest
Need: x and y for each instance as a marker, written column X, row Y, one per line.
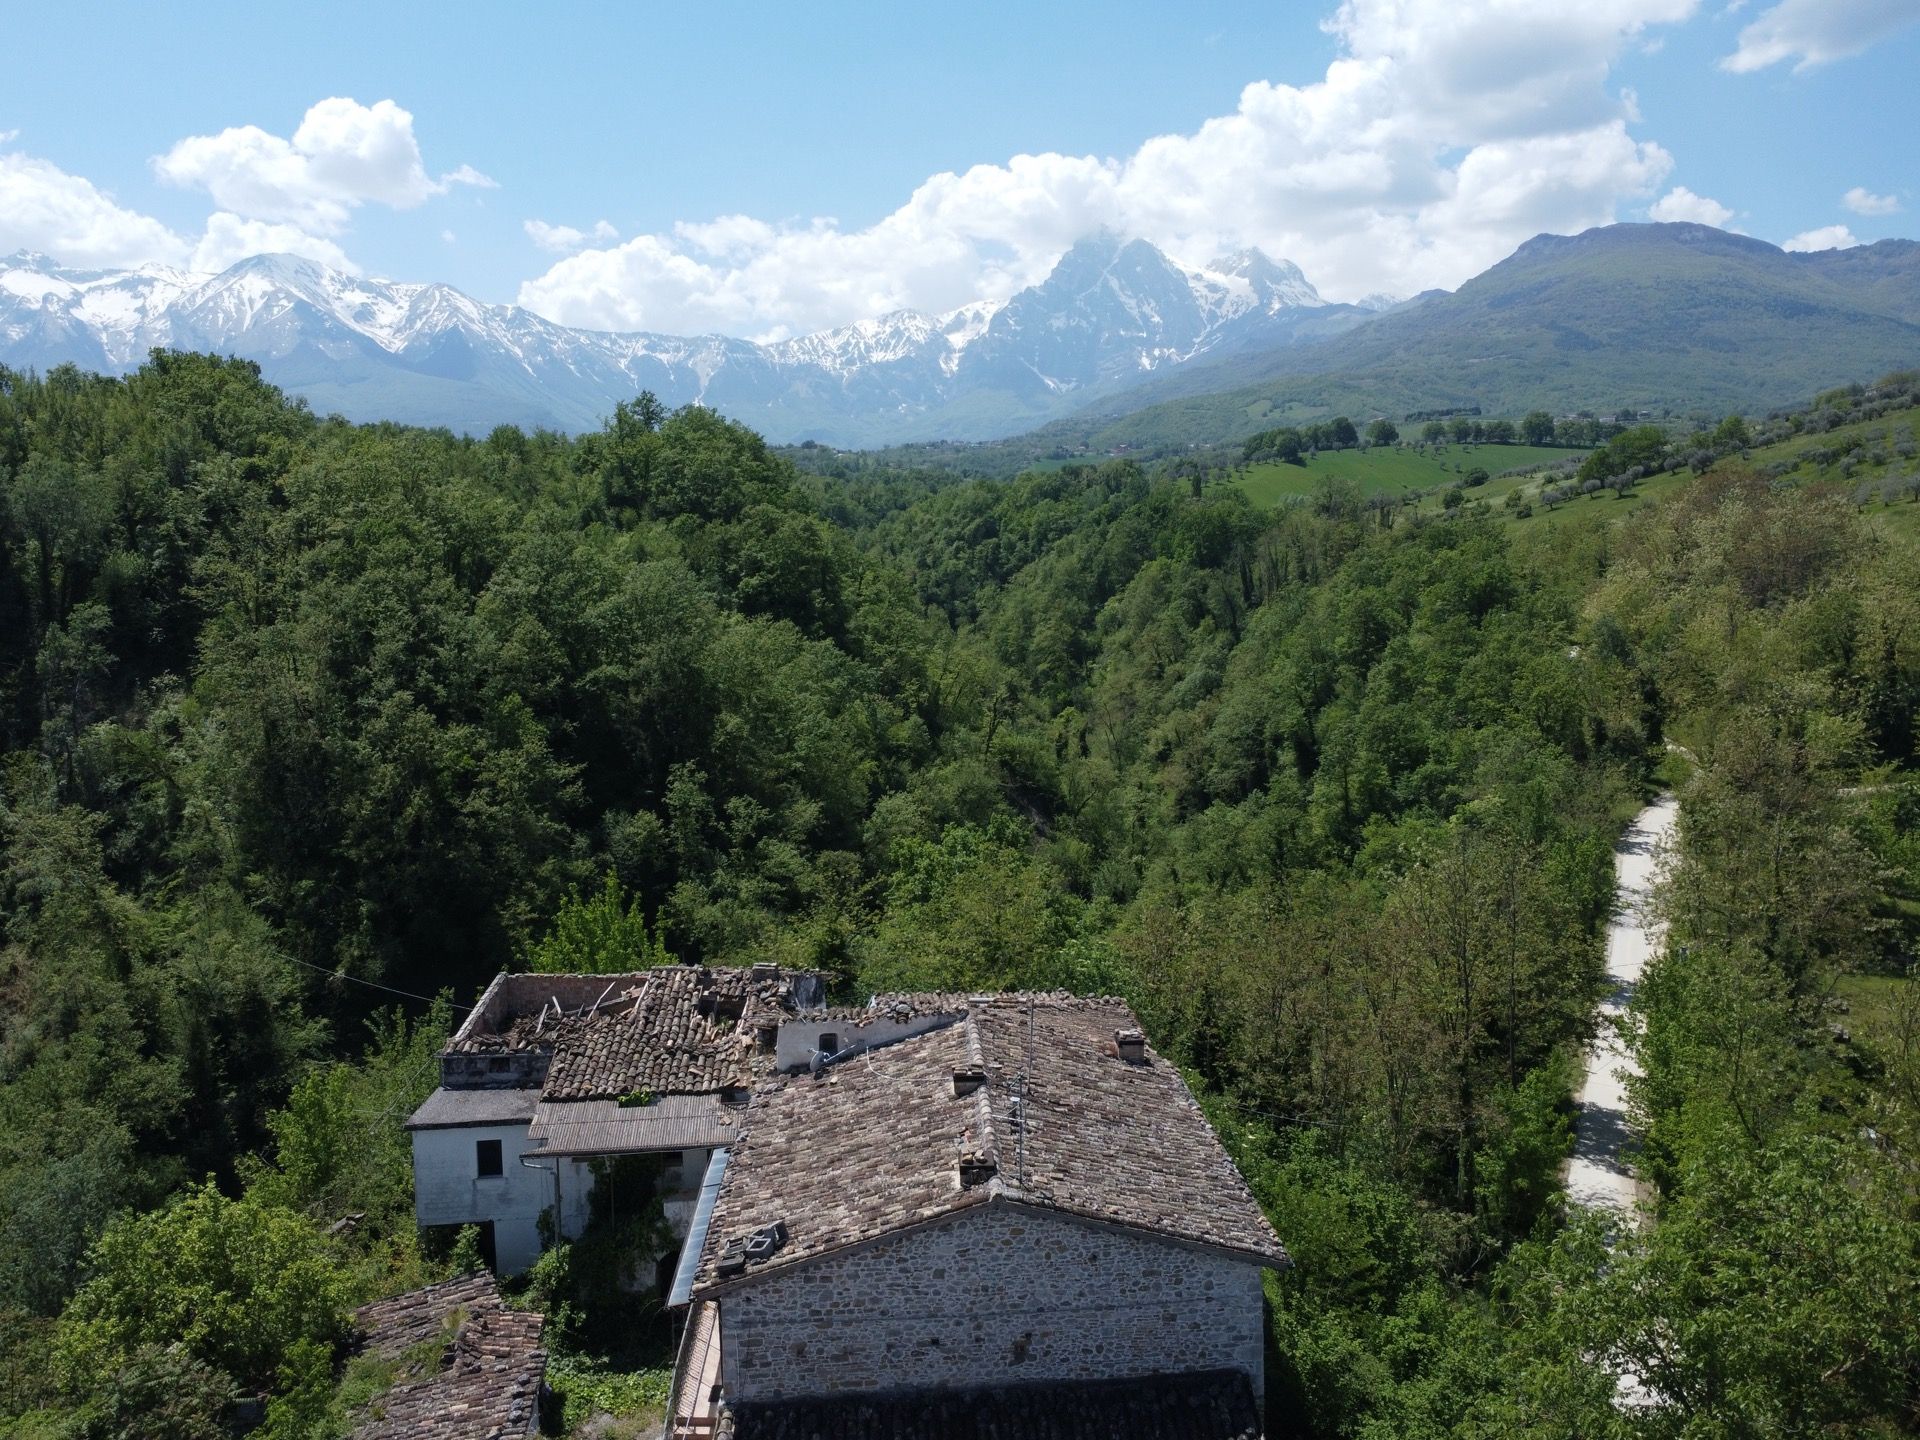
column 306, row 724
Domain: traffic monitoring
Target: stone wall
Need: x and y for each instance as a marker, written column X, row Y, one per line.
column 995, row 1295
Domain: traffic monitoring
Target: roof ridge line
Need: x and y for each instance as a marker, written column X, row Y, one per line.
column 987, row 1138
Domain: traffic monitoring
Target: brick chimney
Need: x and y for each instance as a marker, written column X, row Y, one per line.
column 1132, row 1045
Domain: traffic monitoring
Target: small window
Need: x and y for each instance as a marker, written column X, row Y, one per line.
column 486, row 1158
column 830, row 1043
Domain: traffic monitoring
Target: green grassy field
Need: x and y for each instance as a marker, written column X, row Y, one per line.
column 1389, row 470
column 1859, row 458
column 1530, row 513
column 1855, row 454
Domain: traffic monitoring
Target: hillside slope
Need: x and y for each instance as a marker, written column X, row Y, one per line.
column 1640, row 317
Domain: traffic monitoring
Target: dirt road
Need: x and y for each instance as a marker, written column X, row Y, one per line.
column 1598, row 1175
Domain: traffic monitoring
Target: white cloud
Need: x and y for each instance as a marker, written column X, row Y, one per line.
column 564, row 239
column 7, row 137
column 1680, row 203
column 231, row 238
column 273, row 195
column 342, row 156
column 44, row 208
column 1827, row 237
column 1814, row 32
column 1864, row 202
column 1440, row 137
column 448, row 237
column 467, row 175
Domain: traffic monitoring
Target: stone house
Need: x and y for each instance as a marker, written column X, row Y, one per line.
column 1021, row 1205
column 936, row 1215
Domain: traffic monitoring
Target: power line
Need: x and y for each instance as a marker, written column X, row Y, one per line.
column 372, row 984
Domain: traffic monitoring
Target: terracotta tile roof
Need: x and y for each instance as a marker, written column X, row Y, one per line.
column 686, row 1031
column 852, row 1154
column 486, row 1384
column 895, row 1006
column 674, row 1030
column 1105, row 1138
column 1061, row 1121
column 1210, row 1405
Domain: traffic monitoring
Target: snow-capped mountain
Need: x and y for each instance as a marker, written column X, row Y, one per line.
column 1112, row 312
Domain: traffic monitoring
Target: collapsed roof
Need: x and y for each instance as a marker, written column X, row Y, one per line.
column 480, row 1366
column 603, row 1064
column 674, row 1030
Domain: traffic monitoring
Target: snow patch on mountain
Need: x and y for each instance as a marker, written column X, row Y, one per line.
column 1112, row 310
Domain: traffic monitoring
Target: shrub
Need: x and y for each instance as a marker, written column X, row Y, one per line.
column 597, row 934
column 585, row 1387
column 239, row 1283
column 159, row 1393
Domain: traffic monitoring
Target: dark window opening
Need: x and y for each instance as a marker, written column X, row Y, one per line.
column 830, row 1043
column 486, row 1158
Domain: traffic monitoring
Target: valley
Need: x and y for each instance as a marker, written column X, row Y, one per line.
column 960, row 723
column 315, row 728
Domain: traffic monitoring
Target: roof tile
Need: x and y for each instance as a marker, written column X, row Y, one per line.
column 1062, row 1122
column 488, row 1383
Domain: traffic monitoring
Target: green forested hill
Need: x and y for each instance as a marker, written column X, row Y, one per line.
column 308, row 723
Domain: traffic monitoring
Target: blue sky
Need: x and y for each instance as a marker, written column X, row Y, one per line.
column 576, row 159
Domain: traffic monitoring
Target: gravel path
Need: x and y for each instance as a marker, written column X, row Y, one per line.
column 1598, row 1175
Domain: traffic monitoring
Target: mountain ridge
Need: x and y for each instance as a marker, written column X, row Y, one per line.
column 1112, row 310
column 1118, row 345
column 1663, row 317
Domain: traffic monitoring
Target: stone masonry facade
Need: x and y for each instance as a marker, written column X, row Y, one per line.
column 996, row 1295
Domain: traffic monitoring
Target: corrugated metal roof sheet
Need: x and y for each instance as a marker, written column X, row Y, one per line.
column 682, row 1289
column 606, row 1127
column 445, row 1108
